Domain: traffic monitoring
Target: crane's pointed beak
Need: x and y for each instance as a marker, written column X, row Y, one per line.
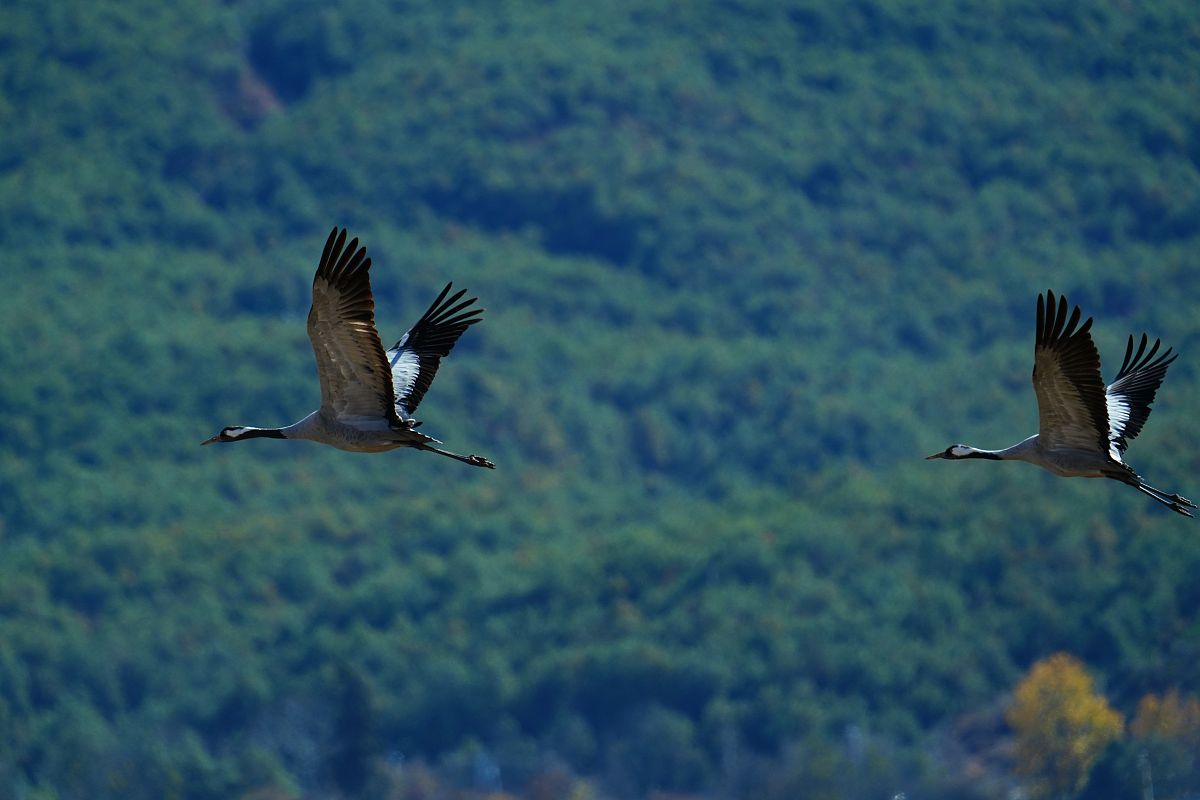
column 936, row 455
column 213, row 440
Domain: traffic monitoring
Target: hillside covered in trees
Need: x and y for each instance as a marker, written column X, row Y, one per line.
column 745, row 264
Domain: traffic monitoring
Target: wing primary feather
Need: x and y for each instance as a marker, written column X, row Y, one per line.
column 1129, row 352
column 1051, row 310
column 1153, row 349
column 1041, row 321
column 1065, row 327
column 1141, row 347
column 333, row 235
column 442, row 296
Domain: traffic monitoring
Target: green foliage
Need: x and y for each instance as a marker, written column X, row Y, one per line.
column 744, row 263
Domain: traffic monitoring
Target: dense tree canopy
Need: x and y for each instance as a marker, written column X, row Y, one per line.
column 745, row 263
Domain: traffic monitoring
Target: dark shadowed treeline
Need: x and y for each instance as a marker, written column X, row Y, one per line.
column 745, row 264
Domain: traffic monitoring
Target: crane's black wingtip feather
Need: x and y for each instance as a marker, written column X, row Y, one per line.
column 1054, row 323
column 333, row 246
column 342, row 262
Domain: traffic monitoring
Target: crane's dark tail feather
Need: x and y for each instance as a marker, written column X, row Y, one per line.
column 473, row 460
column 1179, row 505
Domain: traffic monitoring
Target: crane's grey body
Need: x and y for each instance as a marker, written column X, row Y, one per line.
column 358, row 438
column 1084, row 426
column 368, row 396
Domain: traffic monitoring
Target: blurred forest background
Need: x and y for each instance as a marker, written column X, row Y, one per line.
column 745, row 264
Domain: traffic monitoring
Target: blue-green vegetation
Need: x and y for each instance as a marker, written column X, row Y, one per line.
column 745, row 263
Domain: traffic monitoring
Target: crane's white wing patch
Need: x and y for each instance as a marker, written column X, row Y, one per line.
column 406, row 366
column 1118, row 416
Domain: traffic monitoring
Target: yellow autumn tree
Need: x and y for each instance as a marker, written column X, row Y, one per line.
column 1168, row 716
column 1061, row 724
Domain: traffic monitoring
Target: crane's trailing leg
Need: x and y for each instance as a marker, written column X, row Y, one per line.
column 473, row 460
column 1176, row 503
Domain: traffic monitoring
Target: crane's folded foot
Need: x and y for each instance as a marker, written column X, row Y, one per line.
column 1178, row 504
column 1183, row 501
column 479, row 461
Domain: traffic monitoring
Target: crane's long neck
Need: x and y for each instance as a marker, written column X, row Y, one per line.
column 1021, row 451
column 313, row 428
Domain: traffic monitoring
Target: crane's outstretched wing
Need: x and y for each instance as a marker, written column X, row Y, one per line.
column 415, row 358
column 1130, row 394
column 1072, row 409
column 356, row 386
